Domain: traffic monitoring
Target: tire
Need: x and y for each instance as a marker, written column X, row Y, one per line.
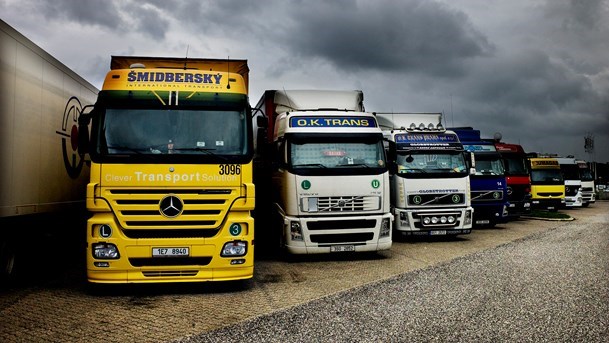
column 8, row 263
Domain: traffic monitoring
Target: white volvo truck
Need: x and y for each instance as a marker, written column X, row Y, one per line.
column 326, row 182
column 430, row 185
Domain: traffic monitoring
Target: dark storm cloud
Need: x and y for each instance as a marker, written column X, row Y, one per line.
column 85, row 12
column 113, row 16
column 528, row 94
column 577, row 32
column 529, row 80
column 411, row 36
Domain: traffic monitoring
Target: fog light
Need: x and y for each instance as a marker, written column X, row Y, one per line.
column 434, row 220
column 385, row 228
column 404, row 219
column 468, row 217
column 238, row 261
column 426, row 220
column 443, row 220
column 235, row 248
column 296, row 231
column 451, row 219
column 102, row 264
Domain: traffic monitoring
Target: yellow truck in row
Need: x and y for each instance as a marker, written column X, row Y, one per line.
column 547, row 184
column 171, row 190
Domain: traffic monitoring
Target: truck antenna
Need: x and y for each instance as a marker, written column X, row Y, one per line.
column 228, row 71
column 186, row 57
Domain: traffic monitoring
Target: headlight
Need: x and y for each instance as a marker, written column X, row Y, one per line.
column 235, row 248
column 105, row 251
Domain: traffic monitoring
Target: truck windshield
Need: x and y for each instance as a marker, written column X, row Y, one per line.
column 585, row 174
column 570, row 171
column 514, row 164
column 546, row 176
column 173, row 131
column 489, row 164
column 337, row 155
column 426, row 162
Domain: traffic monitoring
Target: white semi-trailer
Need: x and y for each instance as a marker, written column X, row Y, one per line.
column 42, row 176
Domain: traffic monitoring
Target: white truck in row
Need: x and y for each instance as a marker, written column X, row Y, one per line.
column 42, row 176
column 320, row 173
column 430, row 175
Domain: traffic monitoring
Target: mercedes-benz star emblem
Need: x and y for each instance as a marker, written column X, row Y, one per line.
column 171, row 206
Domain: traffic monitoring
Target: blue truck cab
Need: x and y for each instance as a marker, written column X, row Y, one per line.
column 488, row 185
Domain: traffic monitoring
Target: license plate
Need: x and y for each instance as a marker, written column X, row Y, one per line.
column 482, row 221
column 341, row 248
column 170, row 252
column 437, row 232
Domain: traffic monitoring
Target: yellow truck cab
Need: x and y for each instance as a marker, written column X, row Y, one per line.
column 547, row 184
column 171, row 189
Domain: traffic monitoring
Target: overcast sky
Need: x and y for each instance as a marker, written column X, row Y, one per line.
column 537, row 71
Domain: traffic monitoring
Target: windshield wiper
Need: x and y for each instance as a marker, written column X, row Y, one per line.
column 353, row 165
column 412, row 170
column 208, row 151
column 125, row 148
column 309, row 165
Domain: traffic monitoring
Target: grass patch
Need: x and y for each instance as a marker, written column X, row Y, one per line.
column 549, row 215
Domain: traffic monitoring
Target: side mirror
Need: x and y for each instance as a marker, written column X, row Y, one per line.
column 261, row 121
column 83, row 132
column 393, row 167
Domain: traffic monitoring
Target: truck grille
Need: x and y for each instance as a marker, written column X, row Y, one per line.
column 139, row 211
column 493, row 195
column 351, row 238
column 518, row 193
column 344, row 204
column 571, row 190
column 550, row 194
column 436, row 199
column 170, row 261
column 341, row 224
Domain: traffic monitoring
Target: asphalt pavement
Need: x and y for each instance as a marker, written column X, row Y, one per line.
column 552, row 286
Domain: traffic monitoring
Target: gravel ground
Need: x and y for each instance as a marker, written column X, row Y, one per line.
column 549, row 287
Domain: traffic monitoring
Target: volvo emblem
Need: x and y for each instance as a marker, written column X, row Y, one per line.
column 171, row 206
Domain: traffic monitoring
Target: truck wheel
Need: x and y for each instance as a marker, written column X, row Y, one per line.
column 8, row 259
